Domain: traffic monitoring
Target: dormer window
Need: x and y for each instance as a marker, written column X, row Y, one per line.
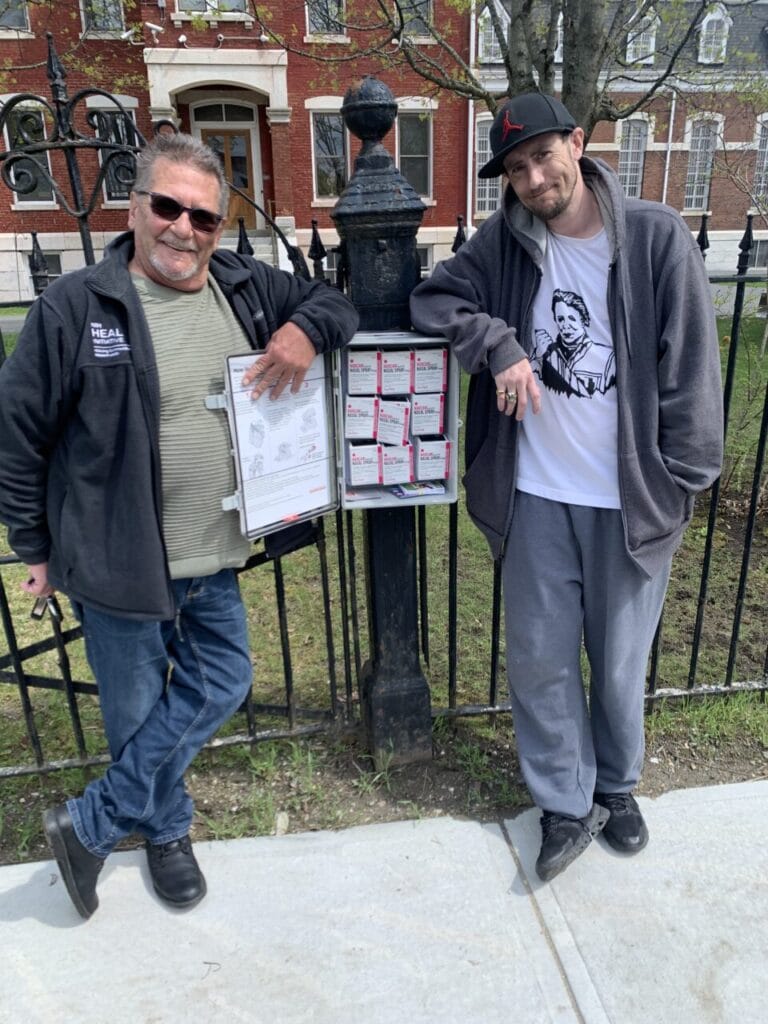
column 713, row 38
column 641, row 41
column 488, row 45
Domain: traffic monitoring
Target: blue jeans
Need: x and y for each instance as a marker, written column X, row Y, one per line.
column 164, row 688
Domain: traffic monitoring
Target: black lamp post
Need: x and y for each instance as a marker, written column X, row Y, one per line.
column 377, row 217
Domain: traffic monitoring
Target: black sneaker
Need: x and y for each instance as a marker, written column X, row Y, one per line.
column 176, row 875
column 563, row 839
column 626, row 830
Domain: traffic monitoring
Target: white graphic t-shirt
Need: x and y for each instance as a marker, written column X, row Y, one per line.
column 569, row 451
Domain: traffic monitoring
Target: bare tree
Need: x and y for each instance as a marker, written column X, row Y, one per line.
column 580, row 46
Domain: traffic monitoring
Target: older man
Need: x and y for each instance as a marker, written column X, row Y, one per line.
column 584, row 450
column 112, row 474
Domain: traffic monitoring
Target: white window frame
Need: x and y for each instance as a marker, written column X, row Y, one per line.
column 632, row 158
column 558, row 54
column 52, row 276
column 760, row 180
column 14, row 30
column 211, row 12
column 488, row 46
column 713, row 36
column 488, row 191
column 758, row 256
column 96, row 104
column 105, row 31
column 426, row 17
column 641, row 40
column 313, row 35
column 19, row 201
column 328, row 105
column 424, row 107
column 698, row 179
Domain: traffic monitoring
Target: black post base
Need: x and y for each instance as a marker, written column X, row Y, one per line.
column 397, row 715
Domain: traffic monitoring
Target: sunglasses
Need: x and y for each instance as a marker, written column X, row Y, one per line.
column 168, row 209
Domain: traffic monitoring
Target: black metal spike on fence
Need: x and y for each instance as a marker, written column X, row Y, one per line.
column 317, row 253
column 38, row 266
column 702, row 239
column 461, row 235
column 244, row 247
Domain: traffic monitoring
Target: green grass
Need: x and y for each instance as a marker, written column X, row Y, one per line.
column 9, row 341
column 713, row 721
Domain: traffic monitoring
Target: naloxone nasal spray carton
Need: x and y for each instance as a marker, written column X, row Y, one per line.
column 361, row 417
column 364, row 462
column 427, row 414
column 396, row 371
column 432, row 458
column 397, row 463
column 363, row 371
column 430, row 369
column 394, row 422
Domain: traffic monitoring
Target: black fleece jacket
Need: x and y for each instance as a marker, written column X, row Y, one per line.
column 80, row 484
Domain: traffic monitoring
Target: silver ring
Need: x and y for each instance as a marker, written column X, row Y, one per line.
column 510, row 396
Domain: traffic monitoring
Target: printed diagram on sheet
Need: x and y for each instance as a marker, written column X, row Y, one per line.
column 282, row 449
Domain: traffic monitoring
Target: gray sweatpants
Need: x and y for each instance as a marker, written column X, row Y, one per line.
column 567, row 574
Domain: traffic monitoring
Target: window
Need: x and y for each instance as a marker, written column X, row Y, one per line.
column 558, row 54
column 13, row 14
column 713, row 39
column 113, row 126
column 417, row 17
column 52, row 262
column 102, row 15
column 329, row 147
column 424, row 252
column 758, row 254
column 487, row 190
column 634, row 138
column 761, row 164
column 488, row 45
column 221, row 112
column 211, row 9
column 325, row 17
column 702, row 152
column 641, row 41
column 414, row 146
column 25, row 127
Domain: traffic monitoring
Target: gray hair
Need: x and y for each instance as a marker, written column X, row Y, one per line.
column 180, row 149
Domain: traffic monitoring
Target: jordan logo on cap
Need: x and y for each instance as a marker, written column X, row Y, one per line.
column 508, row 126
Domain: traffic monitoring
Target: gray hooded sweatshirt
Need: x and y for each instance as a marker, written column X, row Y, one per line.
column 670, row 425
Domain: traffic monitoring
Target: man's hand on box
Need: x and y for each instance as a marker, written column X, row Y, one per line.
column 286, row 360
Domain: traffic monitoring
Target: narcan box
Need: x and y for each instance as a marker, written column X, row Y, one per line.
column 397, row 464
column 430, row 369
column 363, row 371
column 364, row 462
column 361, row 417
column 396, row 371
column 427, row 414
column 432, row 458
column 394, row 422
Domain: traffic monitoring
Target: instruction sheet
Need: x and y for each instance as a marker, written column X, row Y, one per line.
column 283, row 448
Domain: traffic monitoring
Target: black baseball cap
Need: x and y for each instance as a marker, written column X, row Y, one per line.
column 521, row 118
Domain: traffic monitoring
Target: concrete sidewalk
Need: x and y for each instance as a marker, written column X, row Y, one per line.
column 428, row 921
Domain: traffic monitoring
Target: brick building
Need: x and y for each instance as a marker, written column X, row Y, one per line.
column 273, row 114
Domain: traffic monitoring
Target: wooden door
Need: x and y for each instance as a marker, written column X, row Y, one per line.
column 234, row 149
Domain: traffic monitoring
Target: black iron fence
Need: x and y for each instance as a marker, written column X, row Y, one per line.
column 307, row 604
column 307, row 600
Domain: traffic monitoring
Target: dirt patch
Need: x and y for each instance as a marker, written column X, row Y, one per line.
column 314, row 785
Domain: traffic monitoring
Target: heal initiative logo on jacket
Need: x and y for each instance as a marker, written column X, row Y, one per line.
column 107, row 341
